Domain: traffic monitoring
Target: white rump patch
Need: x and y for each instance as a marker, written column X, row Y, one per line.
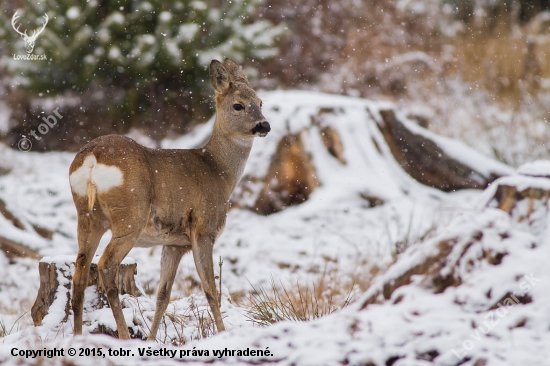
column 79, row 178
column 103, row 177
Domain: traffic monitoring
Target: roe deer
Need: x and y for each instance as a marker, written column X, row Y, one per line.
column 174, row 198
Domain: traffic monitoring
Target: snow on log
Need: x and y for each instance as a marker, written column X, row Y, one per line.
column 440, row 263
column 331, row 142
column 11, row 248
column 519, row 194
column 10, row 216
column 53, row 302
column 427, row 162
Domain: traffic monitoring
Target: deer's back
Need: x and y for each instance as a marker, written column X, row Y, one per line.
column 175, row 191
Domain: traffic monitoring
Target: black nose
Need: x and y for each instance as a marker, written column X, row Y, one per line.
column 262, row 128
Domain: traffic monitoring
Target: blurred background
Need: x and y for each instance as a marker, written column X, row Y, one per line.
column 477, row 70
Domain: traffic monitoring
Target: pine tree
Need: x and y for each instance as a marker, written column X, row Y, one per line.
column 139, row 57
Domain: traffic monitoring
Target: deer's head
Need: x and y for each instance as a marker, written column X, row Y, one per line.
column 29, row 40
column 237, row 104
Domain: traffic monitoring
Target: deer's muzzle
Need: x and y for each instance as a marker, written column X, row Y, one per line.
column 262, row 128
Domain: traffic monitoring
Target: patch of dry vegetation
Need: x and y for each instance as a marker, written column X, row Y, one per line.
column 503, row 100
column 328, row 292
column 478, row 71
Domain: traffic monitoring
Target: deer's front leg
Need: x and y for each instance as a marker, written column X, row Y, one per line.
column 170, row 259
column 202, row 254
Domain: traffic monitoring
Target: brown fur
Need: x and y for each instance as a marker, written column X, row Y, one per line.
column 174, row 198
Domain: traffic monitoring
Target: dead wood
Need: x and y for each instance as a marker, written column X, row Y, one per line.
column 10, row 216
column 291, row 177
column 432, row 264
column 56, row 285
column 507, row 197
column 333, row 143
column 15, row 250
column 427, row 162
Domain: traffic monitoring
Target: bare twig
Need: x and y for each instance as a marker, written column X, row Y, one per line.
column 220, row 294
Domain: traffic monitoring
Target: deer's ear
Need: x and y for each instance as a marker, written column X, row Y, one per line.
column 219, row 77
column 235, row 70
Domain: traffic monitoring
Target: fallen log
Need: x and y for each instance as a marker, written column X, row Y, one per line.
column 15, row 250
column 361, row 137
column 10, row 216
column 427, row 162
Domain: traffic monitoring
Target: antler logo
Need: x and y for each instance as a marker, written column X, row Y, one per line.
column 29, row 40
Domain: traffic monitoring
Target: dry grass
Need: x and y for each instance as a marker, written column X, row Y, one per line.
column 485, row 81
column 496, row 88
column 6, row 329
column 508, row 61
column 329, row 292
column 503, row 58
column 19, row 317
column 298, row 303
column 201, row 320
column 512, row 115
column 405, row 234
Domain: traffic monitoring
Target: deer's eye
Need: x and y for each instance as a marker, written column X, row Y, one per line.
column 238, row 107
column 261, row 104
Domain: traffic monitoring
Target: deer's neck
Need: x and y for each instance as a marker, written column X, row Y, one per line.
column 229, row 155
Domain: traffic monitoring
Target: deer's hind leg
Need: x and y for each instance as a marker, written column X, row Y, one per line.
column 108, row 267
column 128, row 221
column 170, row 259
column 91, row 228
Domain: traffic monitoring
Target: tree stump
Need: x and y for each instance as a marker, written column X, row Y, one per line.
column 524, row 196
column 291, row 177
column 53, row 301
column 508, row 197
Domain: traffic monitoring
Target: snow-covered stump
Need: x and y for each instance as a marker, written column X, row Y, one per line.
column 291, row 177
column 524, row 196
column 511, row 191
column 508, row 197
column 54, row 295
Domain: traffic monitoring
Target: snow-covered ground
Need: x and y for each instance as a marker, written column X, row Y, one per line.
column 334, row 230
